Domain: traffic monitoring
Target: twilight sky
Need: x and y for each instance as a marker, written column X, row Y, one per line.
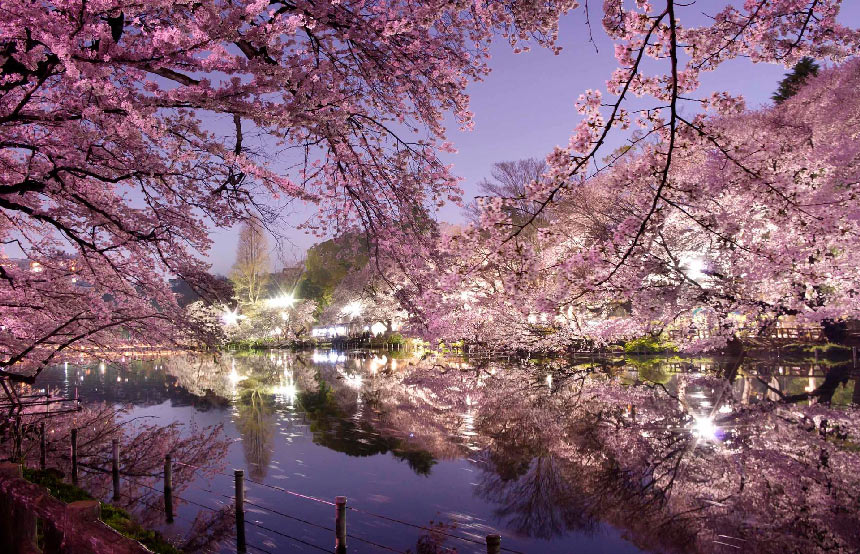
column 525, row 107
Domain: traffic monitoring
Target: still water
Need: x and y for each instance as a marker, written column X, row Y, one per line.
column 616, row 455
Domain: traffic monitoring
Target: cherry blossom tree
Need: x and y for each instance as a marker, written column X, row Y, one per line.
column 367, row 297
column 712, row 218
column 126, row 127
column 143, row 446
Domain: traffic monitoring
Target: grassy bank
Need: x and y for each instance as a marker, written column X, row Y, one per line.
column 114, row 517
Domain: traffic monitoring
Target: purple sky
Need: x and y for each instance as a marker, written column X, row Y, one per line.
column 525, row 107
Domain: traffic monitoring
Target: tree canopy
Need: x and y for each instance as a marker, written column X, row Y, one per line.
column 127, row 129
column 115, row 162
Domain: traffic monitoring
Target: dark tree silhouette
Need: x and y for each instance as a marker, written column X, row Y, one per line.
column 795, row 79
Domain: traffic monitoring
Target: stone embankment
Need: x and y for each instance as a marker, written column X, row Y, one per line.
column 34, row 522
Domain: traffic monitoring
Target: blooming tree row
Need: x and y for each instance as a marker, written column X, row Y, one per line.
column 712, row 218
column 127, row 127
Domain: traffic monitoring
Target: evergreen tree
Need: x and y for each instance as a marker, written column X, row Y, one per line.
column 795, row 79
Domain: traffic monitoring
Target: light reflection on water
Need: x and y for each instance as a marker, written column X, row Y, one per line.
column 477, row 448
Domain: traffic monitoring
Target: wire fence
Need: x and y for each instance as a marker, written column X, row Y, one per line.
column 98, row 463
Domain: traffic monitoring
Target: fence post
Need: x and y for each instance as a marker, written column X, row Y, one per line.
column 340, row 524
column 19, row 435
column 168, row 489
column 494, row 544
column 239, row 475
column 114, row 467
column 74, row 456
column 43, row 447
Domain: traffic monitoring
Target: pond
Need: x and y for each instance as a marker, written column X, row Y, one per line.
column 614, row 455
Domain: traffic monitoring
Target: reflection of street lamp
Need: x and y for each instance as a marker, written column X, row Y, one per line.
column 287, row 388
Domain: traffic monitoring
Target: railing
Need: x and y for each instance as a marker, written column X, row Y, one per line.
column 111, row 463
column 492, row 542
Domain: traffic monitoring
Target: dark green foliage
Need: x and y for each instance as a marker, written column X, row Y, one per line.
column 52, row 480
column 795, row 79
column 120, row 520
column 328, row 263
column 334, row 429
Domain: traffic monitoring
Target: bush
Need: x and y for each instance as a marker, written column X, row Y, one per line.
column 648, row 345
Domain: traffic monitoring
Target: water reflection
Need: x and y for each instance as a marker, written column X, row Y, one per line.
column 255, row 420
column 696, row 455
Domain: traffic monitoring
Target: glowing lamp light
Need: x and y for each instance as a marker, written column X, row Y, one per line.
column 694, row 266
column 353, row 309
column 283, row 301
column 287, row 388
column 704, row 429
column 353, row 381
column 230, row 317
column 235, row 377
column 287, row 391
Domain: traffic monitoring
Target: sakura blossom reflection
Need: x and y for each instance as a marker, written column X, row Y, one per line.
column 610, row 455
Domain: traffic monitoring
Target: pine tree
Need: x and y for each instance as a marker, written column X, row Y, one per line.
column 795, row 79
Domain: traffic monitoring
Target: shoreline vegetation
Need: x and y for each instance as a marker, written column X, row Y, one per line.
column 112, row 516
column 644, row 346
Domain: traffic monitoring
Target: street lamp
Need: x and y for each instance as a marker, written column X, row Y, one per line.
column 283, row 301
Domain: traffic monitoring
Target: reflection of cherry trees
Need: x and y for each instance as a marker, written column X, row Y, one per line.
column 201, row 375
column 255, row 421
column 682, row 466
column 541, row 501
column 729, row 453
column 143, row 447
